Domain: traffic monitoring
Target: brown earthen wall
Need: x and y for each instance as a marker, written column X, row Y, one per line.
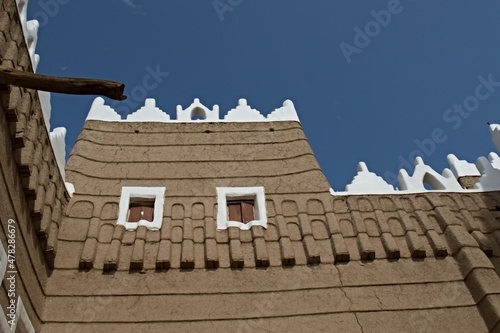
column 32, row 192
column 309, row 231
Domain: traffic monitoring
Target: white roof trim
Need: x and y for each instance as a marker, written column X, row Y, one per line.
column 150, row 113
column 487, row 168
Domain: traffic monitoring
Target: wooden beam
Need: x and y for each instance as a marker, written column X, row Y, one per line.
column 64, row 85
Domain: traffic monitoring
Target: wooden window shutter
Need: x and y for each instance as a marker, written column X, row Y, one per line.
column 141, row 211
column 147, row 213
column 247, row 212
column 241, row 211
column 234, row 211
column 134, row 214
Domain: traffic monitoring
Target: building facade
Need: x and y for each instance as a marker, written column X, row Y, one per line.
column 227, row 225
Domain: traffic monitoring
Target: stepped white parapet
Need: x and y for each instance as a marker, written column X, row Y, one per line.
column 488, row 169
column 490, row 176
column 100, row 111
column 425, row 174
column 368, row 182
column 285, row 113
column 244, row 113
column 494, row 160
column 149, row 112
column 196, row 112
column 461, row 168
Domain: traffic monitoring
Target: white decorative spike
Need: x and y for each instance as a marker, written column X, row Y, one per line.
column 494, row 160
column 44, row 98
column 58, row 140
column 495, row 134
column 366, row 182
column 461, row 168
column 30, row 31
column 22, row 9
column 99, row 111
column 425, row 174
column 285, row 113
column 196, row 109
column 35, row 62
column 31, row 35
column 244, row 113
column 490, row 176
column 149, row 113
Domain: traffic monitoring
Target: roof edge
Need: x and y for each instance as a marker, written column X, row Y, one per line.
column 195, row 113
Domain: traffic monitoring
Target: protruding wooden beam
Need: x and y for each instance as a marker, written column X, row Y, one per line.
column 64, row 85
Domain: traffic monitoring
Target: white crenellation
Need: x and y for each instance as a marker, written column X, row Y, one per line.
column 488, row 169
column 495, row 134
column 57, row 139
column 198, row 112
column 494, row 160
column 368, row 182
column 148, row 113
column 44, row 98
column 99, row 111
column 461, row 168
column 490, row 176
column 285, row 113
column 30, row 31
column 31, row 36
column 58, row 142
column 424, row 174
column 244, row 113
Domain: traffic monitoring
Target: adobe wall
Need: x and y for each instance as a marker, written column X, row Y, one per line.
column 32, row 192
column 415, row 263
column 372, row 262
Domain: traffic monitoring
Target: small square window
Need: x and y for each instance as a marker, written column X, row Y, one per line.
column 241, row 207
column 141, row 206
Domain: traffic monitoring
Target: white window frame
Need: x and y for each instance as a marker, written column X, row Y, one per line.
column 155, row 193
column 234, row 193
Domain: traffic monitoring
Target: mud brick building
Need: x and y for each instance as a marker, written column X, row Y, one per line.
column 227, row 225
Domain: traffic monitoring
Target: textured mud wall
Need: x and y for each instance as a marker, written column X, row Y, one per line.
column 32, row 192
column 372, row 263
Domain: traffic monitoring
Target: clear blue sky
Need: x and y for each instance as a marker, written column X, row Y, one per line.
column 361, row 96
